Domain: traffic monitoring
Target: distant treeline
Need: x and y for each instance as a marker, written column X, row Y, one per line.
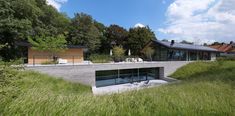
column 21, row 19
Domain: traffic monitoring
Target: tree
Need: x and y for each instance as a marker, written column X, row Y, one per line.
column 216, row 43
column 84, row 32
column 205, row 44
column 3, row 45
column 165, row 40
column 148, row 52
column 11, row 29
column 186, row 42
column 22, row 18
column 118, row 53
column 53, row 45
column 103, row 39
column 138, row 38
column 116, row 35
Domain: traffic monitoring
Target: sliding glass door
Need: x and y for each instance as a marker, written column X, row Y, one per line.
column 193, row 56
column 105, row 78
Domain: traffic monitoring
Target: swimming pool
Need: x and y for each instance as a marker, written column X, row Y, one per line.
column 122, row 76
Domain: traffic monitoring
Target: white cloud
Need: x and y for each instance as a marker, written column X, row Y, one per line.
column 139, row 25
column 201, row 21
column 56, row 3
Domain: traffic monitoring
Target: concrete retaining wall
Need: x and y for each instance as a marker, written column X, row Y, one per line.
column 85, row 74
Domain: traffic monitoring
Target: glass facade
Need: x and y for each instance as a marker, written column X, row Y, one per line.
column 162, row 53
column 204, row 56
column 192, row 56
column 115, row 77
column 177, row 55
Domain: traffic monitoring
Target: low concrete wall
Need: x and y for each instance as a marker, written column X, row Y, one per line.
column 85, row 74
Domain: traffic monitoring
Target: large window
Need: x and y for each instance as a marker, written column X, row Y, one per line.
column 192, row 56
column 160, row 53
column 127, row 76
column 163, row 53
column 114, row 77
column 177, row 55
column 105, row 78
column 204, row 56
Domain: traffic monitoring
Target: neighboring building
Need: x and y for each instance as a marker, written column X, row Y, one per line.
column 171, row 51
column 72, row 54
column 225, row 49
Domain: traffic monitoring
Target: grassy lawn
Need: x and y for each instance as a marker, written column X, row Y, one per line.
column 205, row 89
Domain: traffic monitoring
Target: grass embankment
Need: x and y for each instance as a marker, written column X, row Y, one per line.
column 205, row 89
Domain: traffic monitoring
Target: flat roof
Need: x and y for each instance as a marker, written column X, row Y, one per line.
column 27, row 44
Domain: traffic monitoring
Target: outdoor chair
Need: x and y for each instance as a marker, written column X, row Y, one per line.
column 146, row 82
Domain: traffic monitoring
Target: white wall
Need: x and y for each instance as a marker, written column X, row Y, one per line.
column 213, row 56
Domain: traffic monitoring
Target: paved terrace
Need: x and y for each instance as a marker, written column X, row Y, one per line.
column 85, row 73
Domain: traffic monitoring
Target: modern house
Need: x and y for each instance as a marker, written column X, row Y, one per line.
column 225, row 49
column 168, row 57
column 172, row 51
column 71, row 55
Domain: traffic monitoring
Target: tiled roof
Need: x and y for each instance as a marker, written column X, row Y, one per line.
column 185, row 46
column 223, row 47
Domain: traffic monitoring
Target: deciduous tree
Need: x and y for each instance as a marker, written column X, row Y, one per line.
column 116, row 35
column 138, row 38
column 84, row 32
column 22, row 18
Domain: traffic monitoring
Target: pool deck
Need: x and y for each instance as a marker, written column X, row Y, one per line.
column 112, row 89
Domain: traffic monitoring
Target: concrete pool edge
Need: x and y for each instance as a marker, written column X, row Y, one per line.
column 121, row 88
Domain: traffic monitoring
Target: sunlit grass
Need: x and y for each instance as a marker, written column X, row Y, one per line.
column 205, row 89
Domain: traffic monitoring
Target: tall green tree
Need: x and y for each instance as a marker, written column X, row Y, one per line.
column 138, row 38
column 12, row 29
column 116, row 35
column 186, row 42
column 103, row 39
column 22, row 18
column 84, row 32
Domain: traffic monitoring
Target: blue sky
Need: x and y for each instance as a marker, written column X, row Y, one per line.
column 198, row 21
column 125, row 13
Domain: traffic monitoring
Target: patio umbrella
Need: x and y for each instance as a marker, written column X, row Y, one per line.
column 129, row 52
column 111, row 52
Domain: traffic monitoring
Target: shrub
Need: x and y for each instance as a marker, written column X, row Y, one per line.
column 118, row 53
column 97, row 58
column 12, row 62
column 49, row 62
column 226, row 58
